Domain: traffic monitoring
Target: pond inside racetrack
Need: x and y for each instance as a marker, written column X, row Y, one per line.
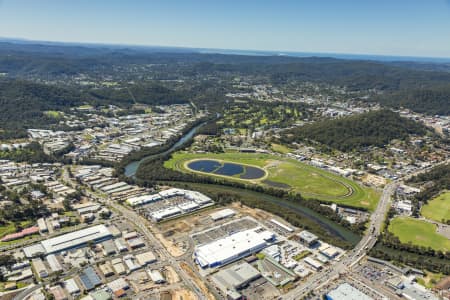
column 226, row 169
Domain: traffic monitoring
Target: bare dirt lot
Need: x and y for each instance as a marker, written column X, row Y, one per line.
column 183, row 295
column 169, row 245
column 171, row 275
column 197, row 280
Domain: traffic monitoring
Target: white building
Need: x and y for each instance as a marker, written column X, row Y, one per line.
column 42, row 225
column 222, row 214
column 53, row 262
column 68, row 241
column 347, row 292
column 71, row 286
column 233, row 247
column 156, row 276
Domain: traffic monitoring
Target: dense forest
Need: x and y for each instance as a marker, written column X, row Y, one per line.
column 43, row 59
column 24, row 103
column 418, row 86
column 376, row 128
column 434, row 101
column 151, row 93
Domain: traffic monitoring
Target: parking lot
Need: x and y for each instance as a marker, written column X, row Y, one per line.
column 373, row 273
column 224, row 230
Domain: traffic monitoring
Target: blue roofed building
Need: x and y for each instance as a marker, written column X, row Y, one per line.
column 90, row 279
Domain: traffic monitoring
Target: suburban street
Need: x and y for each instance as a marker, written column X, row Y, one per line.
column 143, row 226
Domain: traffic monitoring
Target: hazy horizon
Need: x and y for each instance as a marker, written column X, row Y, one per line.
column 383, row 28
column 249, row 52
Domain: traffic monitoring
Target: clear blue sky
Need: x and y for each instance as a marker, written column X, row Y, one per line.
column 389, row 27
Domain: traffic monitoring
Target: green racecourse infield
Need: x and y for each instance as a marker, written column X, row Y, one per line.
column 277, row 172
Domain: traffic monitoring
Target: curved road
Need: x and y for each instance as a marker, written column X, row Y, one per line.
column 366, row 243
column 352, row 257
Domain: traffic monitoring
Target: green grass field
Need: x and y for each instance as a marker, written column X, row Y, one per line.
column 309, row 181
column 438, row 209
column 430, row 279
column 280, row 148
column 418, row 233
column 54, row 114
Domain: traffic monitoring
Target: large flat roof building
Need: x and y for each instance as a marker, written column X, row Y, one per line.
column 222, row 214
column 71, row 286
column 307, row 238
column 68, row 241
column 235, row 277
column 53, row 262
column 233, row 247
column 346, row 292
column 76, row 239
column 39, row 268
column 90, row 279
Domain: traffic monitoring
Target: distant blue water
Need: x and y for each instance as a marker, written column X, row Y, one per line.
column 385, row 58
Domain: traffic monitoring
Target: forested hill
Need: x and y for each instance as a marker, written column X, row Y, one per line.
column 23, row 103
column 375, row 128
column 26, row 60
column 433, row 101
column 420, row 87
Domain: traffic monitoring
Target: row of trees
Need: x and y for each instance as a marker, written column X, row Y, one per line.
column 389, row 247
column 413, row 259
column 438, row 179
column 32, row 153
column 153, row 171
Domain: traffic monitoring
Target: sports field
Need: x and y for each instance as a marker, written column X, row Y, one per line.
column 438, row 209
column 419, row 233
column 284, row 173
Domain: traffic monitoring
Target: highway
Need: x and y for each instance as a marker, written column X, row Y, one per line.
column 365, row 244
column 141, row 223
column 353, row 256
column 314, row 282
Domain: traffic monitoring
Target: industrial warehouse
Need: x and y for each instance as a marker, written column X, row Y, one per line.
column 170, row 203
column 68, row 241
column 233, row 247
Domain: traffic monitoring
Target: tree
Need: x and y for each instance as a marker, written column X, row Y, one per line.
column 67, row 203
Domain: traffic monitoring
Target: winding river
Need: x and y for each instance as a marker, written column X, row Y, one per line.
column 330, row 226
column 131, row 168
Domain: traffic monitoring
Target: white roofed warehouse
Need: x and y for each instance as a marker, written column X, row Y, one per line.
column 68, row 241
column 233, row 247
column 76, row 239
